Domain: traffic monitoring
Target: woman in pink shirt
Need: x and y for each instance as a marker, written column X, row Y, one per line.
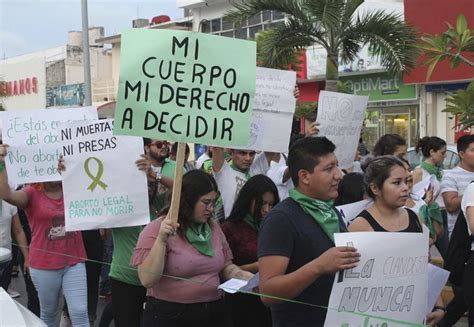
column 56, row 257
column 182, row 264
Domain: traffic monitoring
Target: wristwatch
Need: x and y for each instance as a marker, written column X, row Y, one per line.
column 158, row 177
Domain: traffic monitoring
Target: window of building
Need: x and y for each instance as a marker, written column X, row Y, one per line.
column 216, row 25
column 248, row 28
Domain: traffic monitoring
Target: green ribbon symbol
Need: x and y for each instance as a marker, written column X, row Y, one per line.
column 95, row 179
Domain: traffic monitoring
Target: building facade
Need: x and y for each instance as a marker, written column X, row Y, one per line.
column 54, row 77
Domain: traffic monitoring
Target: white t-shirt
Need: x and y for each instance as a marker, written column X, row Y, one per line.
column 455, row 180
column 200, row 161
column 231, row 181
column 468, row 201
column 276, row 173
column 8, row 211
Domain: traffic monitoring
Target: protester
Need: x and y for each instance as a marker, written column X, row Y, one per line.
column 434, row 150
column 195, row 249
column 424, row 206
column 467, row 206
column 231, row 177
column 174, row 151
column 10, row 225
column 390, row 144
column 57, row 257
column 254, row 202
column 387, row 184
column 297, row 256
column 128, row 293
column 157, row 152
column 351, row 189
column 453, row 184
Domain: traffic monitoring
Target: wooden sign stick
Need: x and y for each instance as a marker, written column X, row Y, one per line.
column 177, row 182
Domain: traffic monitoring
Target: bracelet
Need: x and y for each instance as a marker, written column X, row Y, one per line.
column 439, row 308
column 2, row 166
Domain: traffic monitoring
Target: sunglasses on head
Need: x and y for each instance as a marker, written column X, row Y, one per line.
column 159, row 144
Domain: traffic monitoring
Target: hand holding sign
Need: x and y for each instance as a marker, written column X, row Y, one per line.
column 336, row 259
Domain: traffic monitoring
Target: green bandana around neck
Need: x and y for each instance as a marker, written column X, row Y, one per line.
column 321, row 211
column 201, row 238
column 252, row 222
column 432, row 169
column 246, row 172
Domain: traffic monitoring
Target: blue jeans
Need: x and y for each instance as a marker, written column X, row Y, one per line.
column 72, row 280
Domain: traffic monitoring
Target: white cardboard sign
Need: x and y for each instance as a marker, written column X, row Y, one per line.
column 340, row 117
column 274, row 106
column 388, row 287
column 34, row 140
column 102, row 185
column 350, row 211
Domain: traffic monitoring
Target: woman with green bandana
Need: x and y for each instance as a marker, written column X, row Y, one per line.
column 181, row 264
column 388, row 185
column 241, row 228
column 434, row 150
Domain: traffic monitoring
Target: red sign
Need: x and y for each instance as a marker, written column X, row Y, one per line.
column 457, row 131
column 19, row 87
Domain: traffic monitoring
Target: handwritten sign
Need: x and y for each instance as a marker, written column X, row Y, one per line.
column 35, row 143
column 389, row 284
column 341, row 116
column 186, row 87
column 273, row 110
column 102, row 185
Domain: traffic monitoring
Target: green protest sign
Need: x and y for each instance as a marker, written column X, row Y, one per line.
column 186, row 87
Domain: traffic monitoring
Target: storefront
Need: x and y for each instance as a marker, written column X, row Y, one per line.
column 393, row 107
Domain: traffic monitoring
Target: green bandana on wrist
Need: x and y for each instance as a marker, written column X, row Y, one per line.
column 201, row 238
column 429, row 213
column 321, row 211
column 2, row 166
column 432, row 169
column 252, row 222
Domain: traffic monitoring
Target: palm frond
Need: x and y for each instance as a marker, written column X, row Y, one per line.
column 390, row 39
column 279, row 44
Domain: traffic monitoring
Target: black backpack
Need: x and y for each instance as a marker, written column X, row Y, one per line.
column 459, row 250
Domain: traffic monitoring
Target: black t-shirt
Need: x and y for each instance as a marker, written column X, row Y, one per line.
column 290, row 232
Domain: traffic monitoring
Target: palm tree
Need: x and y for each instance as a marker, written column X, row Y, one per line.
column 334, row 25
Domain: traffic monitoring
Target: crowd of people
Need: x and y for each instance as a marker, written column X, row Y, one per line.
column 240, row 213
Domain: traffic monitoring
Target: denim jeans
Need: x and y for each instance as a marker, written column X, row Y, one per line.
column 72, row 281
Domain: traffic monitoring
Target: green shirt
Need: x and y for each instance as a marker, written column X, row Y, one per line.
column 125, row 238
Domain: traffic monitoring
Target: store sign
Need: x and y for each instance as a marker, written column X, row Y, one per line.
column 65, row 95
column 19, row 87
column 381, row 87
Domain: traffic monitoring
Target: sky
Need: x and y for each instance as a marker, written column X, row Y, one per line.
column 30, row 25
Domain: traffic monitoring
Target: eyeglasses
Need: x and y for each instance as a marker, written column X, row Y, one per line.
column 209, row 203
column 159, row 144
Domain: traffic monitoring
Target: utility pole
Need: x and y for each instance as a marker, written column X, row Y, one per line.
column 86, row 55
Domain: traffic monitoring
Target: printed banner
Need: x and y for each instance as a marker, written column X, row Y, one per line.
column 390, row 283
column 341, row 116
column 35, row 142
column 273, row 110
column 185, row 87
column 102, row 185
